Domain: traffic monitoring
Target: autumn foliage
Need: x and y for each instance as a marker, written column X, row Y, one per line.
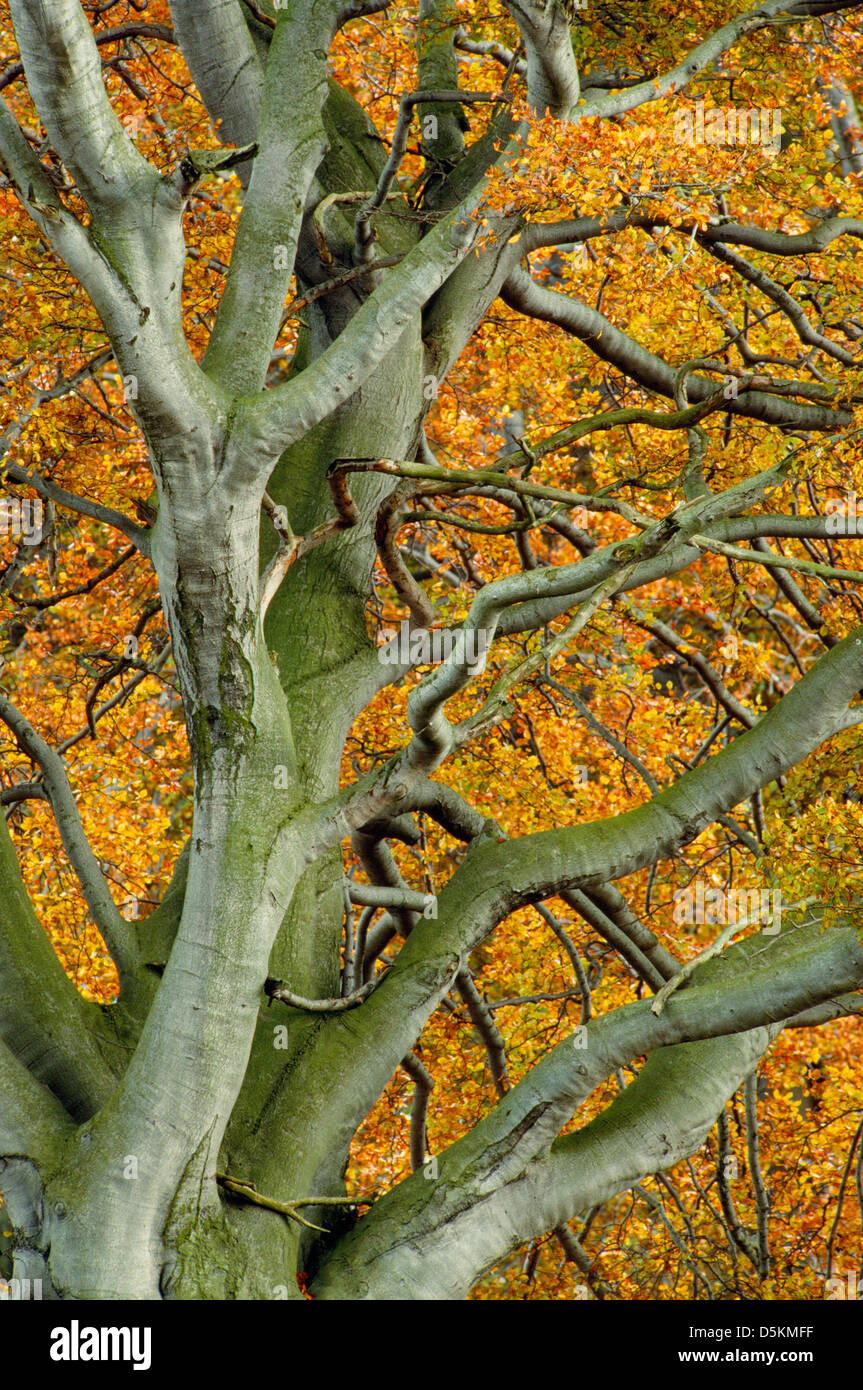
column 592, row 733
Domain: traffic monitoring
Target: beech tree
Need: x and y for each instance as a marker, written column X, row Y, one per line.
column 422, row 255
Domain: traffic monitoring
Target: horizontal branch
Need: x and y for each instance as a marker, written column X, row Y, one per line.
column 697, row 60
column 118, row 34
column 50, row 492
column 275, row 989
column 722, row 230
column 290, row 1209
column 606, row 341
column 369, row 895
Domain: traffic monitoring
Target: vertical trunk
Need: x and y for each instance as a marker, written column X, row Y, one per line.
column 143, row 1170
column 317, row 627
column 133, row 1209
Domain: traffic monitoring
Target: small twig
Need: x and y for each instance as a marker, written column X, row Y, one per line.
column 142, row 671
column 249, row 1193
column 259, row 15
column 275, row 989
column 583, row 984
column 336, row 283
column 483, row 1021
column 762, row 1200
column 736, row 1232
column 576, row 1254
column 549, row 998
column 423, row 1086
column 529, row 454
column 841, row 1197
column 150, row 609
column 333, row 200
column 51, row 599
column 712, row 950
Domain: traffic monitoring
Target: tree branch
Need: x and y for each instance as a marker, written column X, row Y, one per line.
column 273, row 420
column 616, row 347
column 496, row 1189
column 423, row 1086
column 552, row 72
column 43, row 1019
column 50, row 492
column 119, row 937
column 132, row 30
column 291, row 142
column 33, row 1123
column 697, row 60
column 64, row 77
column 224, row 65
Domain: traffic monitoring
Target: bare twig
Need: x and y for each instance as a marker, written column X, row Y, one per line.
column 250, row 1193
column 423, row 1086
column 275, row 989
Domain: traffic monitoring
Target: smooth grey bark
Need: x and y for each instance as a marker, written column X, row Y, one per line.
column 552, row 72
column 511, row 1179
column 224, row 65
column 114, row 1128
